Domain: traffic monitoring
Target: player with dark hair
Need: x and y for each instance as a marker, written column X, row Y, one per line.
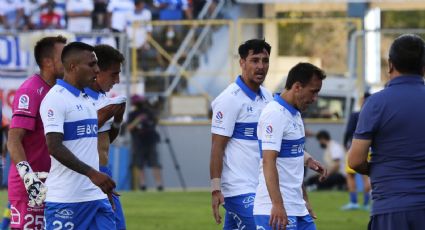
column 280, row 202
column 391, row 124
column 235, row 154
column 110, row 112
column 26, row 142
column 76, row 196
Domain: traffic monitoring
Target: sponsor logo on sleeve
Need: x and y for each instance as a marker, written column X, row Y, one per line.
column 269, row 132
column 24, row 102
column 219, row 117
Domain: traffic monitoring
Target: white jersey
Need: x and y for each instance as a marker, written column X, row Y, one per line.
column 119, row 10
column 100, row 101
column 138, row 26
column 235, row 114
column 280, row 128
column 77, row 121
column 79, row 24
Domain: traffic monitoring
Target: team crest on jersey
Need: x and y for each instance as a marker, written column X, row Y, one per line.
column 24, row 102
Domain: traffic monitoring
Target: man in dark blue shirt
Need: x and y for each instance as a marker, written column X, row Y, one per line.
column 392, row 122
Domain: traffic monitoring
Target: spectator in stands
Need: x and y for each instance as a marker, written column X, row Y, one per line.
column 138, row 25
column 142, row 123
column 99, row 14
column 117, row 10
column 334, row 161
column 12, row 13
column 32, row 11
column 50, row 19
column 79, row 13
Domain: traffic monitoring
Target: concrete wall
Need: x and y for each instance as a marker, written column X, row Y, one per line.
column 192, row 145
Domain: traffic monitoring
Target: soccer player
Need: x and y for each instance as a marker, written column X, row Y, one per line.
column 26, row 141
column 391, row 122
column 279, row 202
column 235, row 154
column 110, row 112
column 76, row 196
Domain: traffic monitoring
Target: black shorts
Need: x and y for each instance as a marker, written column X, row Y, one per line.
column 145, row 154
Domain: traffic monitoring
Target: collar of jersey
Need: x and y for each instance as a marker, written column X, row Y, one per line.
column 76, row 92
column 251, row 94
column 285, row 104
column 93, row 94
column 406, row 79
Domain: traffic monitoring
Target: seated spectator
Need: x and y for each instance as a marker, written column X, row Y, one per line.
column 79, row 15
column 12, row 14
column 334, row 161
column 50, row 19
column 32, row 11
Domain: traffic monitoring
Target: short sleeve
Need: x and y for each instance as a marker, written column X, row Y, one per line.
column 25, row 109
column 271, row 128
column 225, row 114
column 368, row 119
column 52, row 112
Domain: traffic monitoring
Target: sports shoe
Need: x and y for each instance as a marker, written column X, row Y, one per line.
column 365, row 207
column 350, row 206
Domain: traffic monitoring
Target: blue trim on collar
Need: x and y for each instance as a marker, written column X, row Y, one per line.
column 69, row 87
column 409, row 79
column 251, row 94
column 93, row 94
column 285, row 104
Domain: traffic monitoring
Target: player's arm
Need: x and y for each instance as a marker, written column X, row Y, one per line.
column 116, row 124
column 68, row 159
column 14, row 144
column 218, row 146
column 357, row 155
column 278, row 215
column 106, row 113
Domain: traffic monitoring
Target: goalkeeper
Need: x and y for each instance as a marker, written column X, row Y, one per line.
column 26, row 141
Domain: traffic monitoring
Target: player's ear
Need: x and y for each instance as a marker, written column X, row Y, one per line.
column 390, row 66
column 242, row 62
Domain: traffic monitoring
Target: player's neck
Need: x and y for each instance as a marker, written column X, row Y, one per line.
column 251, row 85
column 49, row 78
column 288, row 97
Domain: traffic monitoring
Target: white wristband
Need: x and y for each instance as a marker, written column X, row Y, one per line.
column 23, row 168
column 215, row 184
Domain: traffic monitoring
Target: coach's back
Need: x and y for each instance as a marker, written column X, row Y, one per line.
column 395, row 120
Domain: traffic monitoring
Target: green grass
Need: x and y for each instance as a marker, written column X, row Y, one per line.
column 191, row 210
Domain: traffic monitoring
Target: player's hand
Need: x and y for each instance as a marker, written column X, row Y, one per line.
column 118, row 117
column 217, row 199
column 317, row 167
column 103, row 181
column 278, row 218
column 310, row 210
column 32, row 180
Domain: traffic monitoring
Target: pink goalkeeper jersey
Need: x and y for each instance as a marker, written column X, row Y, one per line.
column 26, row 105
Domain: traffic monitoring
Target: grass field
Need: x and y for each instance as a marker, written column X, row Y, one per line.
column 191, row 211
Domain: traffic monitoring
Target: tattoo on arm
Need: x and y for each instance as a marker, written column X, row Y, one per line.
column 64, row 155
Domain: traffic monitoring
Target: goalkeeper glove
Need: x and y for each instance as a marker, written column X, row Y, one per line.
column 35, row 188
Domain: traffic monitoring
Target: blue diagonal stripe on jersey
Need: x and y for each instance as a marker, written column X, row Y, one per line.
column 288, row 148
column 245, row 131
column 79, row 129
